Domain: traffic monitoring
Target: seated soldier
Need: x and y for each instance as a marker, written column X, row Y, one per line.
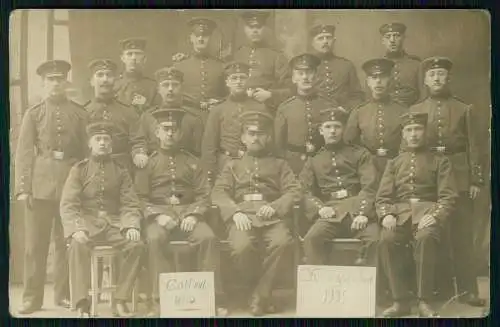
column 415, row 197
column 340, row 182
column 175, row 196
column 254, row 194
column 99, row 207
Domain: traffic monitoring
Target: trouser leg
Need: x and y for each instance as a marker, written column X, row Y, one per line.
column 425, row 254
column 316, row 240
column 79, row 265
column 369, row 236
column 245, row 254
column 61, row 267
column 157, row 263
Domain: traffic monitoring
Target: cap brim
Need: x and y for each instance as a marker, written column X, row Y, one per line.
column 54, row 75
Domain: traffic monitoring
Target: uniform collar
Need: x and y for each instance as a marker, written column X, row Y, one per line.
column 238, row 98
column 384, row 100
column 441, row 96
column 57, row 100
column 260, row 154
column 174, row 104
column 257, row 45
column 132, row 75
column 100, row 159
column 324, row 56
column 170, row 152
column 334, row 147
column 420, row 149
column 200, row 55
column 395, row 55
column 310, row 96
column 104, row 99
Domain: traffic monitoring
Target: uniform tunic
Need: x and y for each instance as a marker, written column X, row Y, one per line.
column 337, row 80
column 375, row 125
column 137, row 91
column 343, row 177
column 173, row 184
column 52, row 138
column 245, row 185
column 405, row 88
column 99, row 199
column 427, row 179
column 222, row 137
column 296, row 125
column 268, row 70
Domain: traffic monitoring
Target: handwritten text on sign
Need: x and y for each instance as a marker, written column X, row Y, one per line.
column 187, row 294
column 336, row 291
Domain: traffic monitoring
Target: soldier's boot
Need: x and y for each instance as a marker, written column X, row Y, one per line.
column 83, row 309
column 121, row 310
column 398, row 309
column 425, row 310
column 472, row 300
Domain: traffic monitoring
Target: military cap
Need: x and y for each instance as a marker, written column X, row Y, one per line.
column 322, row 28
column 411, row 118
column 202, row 26
column 169, row 73
column 436, row 62
column 255, row 17
column 236, row 67
column 100, row 64
column 393, row 27
column 256, row 121
column 100, row 127
column 133, row 43
column 334, row 114
column 305, row 61
column 54, row 68
column 169, row 117
column 379, row 66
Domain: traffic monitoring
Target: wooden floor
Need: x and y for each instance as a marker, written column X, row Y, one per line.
column 284, row 300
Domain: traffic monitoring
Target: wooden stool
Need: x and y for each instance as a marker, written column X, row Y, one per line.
column 103, row 254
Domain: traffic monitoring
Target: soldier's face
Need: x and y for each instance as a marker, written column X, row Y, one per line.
column 436, row 79
column 393, row 41
column 332, row 131
column 255, row 140
column 54, row 86
column 378, row 84
column 100, row 144
column 254, row 33
column 170, row 90
column 323, row 42
column 414, row 135
column 303, row 78
column 133, row 59
column 200, row 42
column 169, row 135
column 103, row 81
column 236, row 83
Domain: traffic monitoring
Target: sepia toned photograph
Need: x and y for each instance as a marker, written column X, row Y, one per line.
column 249, row 163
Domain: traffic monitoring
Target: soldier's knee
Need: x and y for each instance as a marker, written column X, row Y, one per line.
column 282, row 240
column 154, row 236
column 425, row 234
column 241, row 246
column 387, row 237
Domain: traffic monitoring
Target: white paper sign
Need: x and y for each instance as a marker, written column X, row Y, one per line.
column 187, row 295
column 336, row 291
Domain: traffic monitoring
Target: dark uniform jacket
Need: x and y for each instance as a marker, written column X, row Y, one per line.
column 98, row 194
column 268, row 70
column 222, row 136
column 420, row 175
column 406, row 85
column 337, row 80
column 136, row 90
column 342, row 177
column 248, row 183
column 173, row 183
column 51, row 140
column 451, row 126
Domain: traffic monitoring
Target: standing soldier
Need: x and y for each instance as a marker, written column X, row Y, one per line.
column 415, row 197
column 203, row 73
column 268, row 67
column 222, row 137
column 127, row 142
column 99, row 207
column 340, row 184
column 132, row 87
column 405, row 86
column 255, row 194
column 451, row 133
column 175, row 195
column 51, row 140
column 337, row 77
column 375, row 124
column 170, row 82
column 296, row 134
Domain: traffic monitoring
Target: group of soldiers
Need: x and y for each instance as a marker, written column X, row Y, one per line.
column 142, row 162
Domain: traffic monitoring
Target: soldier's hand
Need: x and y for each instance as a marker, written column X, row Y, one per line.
column 389, row 222
column 426, row 221
column 133, row 234
column 188, row 223
column 140, row 160
column 266, row 212
column 242, row 221
column 166, row 221
column 27, row 198
column 80, row 237
column 359, row 222
column 326, row 213
column 261, row 95
column 474, row 192
column 179, row 56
